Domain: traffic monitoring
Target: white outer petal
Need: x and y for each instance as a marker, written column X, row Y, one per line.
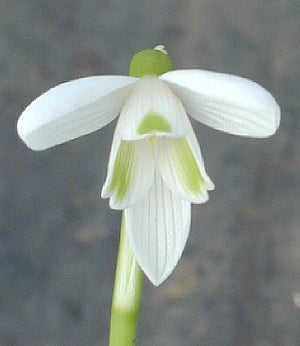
column 225, row 102
column 157, row 229
column 141, row 179
column 73, row 109
column 151, row 94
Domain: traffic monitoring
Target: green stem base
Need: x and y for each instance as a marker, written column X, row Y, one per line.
column 127, row 295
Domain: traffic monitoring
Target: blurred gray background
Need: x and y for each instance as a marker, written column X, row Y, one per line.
column 239, row 277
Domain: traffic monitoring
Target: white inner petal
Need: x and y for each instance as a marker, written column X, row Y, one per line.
column 130, row 172
column 182, row 171
column 152, row 110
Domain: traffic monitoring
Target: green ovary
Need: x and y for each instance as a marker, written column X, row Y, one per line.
column 150, row 62
column 123, row 170
column 187, row 166
column 152, row 123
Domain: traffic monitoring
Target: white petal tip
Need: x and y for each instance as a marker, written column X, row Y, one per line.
column 105, row 191
column 210, row 185
column 203, row 198
column 116, row 205
column 21, row 130
column 157, row 281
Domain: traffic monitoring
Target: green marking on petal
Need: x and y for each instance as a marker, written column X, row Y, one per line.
column 187, row 166
column 150, row 62
column 123, row 170
column 154, row 122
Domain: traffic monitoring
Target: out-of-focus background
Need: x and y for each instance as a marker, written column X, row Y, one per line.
column 238, row 282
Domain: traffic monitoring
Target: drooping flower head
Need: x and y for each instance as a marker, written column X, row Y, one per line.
column 155, row 169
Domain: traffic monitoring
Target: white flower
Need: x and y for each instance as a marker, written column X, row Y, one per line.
column 156, row 168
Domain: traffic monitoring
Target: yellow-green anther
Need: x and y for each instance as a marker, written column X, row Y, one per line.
column 187, row 166
column 123, row 170
column 154, row 123
column 150, row 62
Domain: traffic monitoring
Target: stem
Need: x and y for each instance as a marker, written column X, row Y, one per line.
column 127, row 295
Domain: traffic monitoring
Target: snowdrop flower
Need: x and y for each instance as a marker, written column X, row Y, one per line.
column 155, row 169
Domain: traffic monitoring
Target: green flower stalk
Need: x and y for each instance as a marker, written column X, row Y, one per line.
column 127, row 295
